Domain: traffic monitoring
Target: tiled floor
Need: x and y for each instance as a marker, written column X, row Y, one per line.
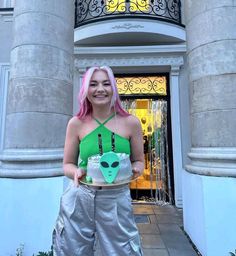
column 160, row 230
column 163, row 236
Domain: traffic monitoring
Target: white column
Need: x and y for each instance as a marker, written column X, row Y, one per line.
column 176, row 133
column 209, row 184
column 40, row 93
column 38, row 106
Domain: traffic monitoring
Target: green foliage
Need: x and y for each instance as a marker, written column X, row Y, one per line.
column 233, row 253
column 49, row 253
column 20, row 250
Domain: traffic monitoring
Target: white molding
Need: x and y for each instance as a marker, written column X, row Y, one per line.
column 141, row 56
column 215, row 161
column 31, row 163
column 7, row 16
column 4, row 78
column 29, row 174
column 125, row 59
column 22, row 155
column 157, row 49
column 176, row 132
column 217, row 153
column 145, row 27
column 127, row 26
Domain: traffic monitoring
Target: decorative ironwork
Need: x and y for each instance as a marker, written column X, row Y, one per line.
column 141, row 85
column 87, row 11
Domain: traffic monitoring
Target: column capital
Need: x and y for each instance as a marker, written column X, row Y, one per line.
column 174, row 70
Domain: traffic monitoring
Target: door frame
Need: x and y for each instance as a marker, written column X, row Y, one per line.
column 169, row 125
column 146, row 59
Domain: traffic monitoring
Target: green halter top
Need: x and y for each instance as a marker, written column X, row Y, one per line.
column 89, row 145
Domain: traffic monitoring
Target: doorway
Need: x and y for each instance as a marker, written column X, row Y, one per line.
column 155, row 184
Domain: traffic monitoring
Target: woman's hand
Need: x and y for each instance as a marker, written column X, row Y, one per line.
column 78, row 175
column 136, row 172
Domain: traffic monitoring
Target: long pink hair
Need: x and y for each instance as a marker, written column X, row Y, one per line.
column 85, row 105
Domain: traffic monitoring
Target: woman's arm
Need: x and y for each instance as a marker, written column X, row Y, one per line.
column 136, row 143
column 71, row 151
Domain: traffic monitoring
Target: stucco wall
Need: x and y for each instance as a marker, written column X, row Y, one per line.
column 30, row 210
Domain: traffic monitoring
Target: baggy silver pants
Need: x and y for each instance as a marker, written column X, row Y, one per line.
column 86, row 211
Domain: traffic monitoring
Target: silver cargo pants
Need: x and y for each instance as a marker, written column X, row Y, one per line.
column 86, row 211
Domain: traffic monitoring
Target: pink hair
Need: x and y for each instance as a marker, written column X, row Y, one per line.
column 85, row 105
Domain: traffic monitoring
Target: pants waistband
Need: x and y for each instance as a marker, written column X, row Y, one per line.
column 95, row 188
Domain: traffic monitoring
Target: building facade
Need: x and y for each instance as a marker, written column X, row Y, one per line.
column 174, row 62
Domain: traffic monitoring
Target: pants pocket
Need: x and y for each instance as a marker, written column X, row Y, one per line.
column 57, row 237
column 134, row 245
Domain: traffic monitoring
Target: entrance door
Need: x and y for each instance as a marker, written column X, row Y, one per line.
column 155, row 183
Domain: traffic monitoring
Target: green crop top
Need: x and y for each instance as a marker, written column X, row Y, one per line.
column 89, row 145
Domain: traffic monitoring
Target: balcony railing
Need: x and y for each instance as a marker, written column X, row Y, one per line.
column 88, row 11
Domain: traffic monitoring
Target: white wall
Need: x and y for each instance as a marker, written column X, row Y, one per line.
column 23, row 203
column 209, row 213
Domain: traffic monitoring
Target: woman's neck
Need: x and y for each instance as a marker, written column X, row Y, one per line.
column 102, row 114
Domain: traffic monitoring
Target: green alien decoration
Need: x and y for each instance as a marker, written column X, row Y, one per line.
column 109, row 166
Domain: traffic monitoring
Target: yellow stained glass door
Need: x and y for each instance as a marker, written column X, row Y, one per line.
column 155, row 183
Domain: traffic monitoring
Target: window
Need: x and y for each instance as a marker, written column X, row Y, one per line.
column 142, row 85
column 139, row 5
column 123, row 5
column 115, row 5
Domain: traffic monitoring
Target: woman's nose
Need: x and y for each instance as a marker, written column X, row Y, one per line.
column 100, row 87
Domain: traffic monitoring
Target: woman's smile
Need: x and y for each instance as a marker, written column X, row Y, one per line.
column 100, row 96
column 100, row 90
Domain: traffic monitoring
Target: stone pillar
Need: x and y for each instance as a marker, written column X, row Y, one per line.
column 211, row 51
column 40, row 95
column 39, row 105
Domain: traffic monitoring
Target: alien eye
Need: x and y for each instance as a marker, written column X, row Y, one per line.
column 104, row 164
column 115, row 164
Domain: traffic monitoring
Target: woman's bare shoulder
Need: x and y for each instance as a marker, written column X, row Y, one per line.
column 74, row 123
column 132, row 120
column 130, row 123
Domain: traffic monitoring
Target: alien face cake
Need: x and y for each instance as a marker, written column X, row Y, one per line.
column 109, row 168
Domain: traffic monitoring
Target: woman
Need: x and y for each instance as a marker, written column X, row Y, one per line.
column 106, row 211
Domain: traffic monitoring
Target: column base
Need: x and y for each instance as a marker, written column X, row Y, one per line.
column 31, row 163
column 213, row 161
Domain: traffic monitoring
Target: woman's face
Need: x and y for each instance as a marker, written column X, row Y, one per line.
column 100, row 89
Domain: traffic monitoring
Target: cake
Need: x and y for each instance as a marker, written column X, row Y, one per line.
column 109, row 168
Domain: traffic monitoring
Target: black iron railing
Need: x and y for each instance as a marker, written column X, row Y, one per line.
column 88, row 11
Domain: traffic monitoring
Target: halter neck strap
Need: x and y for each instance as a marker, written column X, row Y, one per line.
column 108, row 119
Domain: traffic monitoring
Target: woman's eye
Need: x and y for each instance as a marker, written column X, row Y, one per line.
column 92, row 84
column 106, row 84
